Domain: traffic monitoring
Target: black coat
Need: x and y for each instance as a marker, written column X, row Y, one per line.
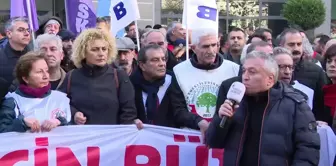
column 8, row 59
column 313, row 76
column 288, row 134
column 93, row 91
column 173, row 111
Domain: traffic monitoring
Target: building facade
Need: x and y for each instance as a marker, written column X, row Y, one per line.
column 241, row 13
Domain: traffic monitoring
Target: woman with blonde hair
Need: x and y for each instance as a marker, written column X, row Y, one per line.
column 99, row 93
column 33, row 106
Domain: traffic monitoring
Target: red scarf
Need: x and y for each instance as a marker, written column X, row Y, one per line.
column 34, row 92
column 330, row 97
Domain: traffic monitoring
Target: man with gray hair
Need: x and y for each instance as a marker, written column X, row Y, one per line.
column 258, row 131
column 19, row 36
column 51, row 46
column 284, row 59
column 175, row 32
column 156, row 37
column 199, row 77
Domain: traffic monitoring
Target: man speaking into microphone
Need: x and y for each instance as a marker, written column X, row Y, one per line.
column 271, row 126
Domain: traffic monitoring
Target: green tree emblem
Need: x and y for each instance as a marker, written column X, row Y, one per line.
column 206, row 100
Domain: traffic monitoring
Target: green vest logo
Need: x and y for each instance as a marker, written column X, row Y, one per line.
column 206, row 100
column 202, row 99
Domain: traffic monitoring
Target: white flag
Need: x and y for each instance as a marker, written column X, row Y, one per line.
column 199, row 14
column 122, row 13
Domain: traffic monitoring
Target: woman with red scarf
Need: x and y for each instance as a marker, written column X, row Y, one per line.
column 33, row 106
column 330, row 90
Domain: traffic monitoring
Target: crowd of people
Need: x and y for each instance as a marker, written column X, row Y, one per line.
column 94, row 78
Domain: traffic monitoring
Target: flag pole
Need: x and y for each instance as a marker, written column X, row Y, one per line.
column 30, row 20
column 187, row 30
column 66, row 14
column 137, row 35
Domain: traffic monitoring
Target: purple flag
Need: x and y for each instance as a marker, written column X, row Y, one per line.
column 80, row 15
column 19, row 9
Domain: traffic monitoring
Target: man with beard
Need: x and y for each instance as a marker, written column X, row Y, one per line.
column 237, row 40
column 67, row 40
column 19, row 36
column 51, row 46
column 155, row 96
column 199, row 77
column 306, row 72
column 126, row 55
column 51, row 25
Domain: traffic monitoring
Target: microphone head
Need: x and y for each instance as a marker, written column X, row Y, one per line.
column 236, row 92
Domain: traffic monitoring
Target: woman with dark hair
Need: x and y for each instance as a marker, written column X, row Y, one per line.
column 33, row 106
column 330, row 90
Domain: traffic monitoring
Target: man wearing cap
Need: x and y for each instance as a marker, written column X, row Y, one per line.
column 126, row 55
column 67, row 40
column 52, row 26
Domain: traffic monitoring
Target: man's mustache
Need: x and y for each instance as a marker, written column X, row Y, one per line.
column 296, row 53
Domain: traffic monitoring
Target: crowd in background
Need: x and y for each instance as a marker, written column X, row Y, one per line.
column 94, row 78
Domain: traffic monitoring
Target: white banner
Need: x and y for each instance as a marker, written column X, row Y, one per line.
column 121, row 145
column 122, row 13
column 199, row 14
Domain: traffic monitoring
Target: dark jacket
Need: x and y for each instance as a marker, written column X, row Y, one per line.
column 3, row 42
column 8, row 120
column 313, row 76
column 4, row 86
column 229, row 57
column 288, row 133
column 173, row 111
column 93, row 91
column 171, row 60
column 8, row 59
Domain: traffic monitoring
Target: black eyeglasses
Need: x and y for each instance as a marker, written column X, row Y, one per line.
column 284, row 67
column 23, row 30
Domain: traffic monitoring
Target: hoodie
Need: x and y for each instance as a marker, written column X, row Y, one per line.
column 41, row 28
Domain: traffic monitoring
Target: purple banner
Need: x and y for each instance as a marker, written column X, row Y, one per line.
column 19, row 9
column 80, row 15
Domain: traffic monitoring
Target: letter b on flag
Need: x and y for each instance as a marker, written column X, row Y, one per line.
column 119, row 10
column 206, row 12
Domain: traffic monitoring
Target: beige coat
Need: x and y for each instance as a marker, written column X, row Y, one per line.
column 63, row 74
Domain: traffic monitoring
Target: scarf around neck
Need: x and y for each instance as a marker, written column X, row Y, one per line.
column 34, row 92
column 151, row 88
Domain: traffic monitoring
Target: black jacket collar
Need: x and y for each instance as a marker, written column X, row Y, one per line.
column 93, row 70
column 10, row 52
column 218, row 62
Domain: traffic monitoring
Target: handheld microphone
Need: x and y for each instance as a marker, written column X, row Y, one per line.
column 235, row 95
